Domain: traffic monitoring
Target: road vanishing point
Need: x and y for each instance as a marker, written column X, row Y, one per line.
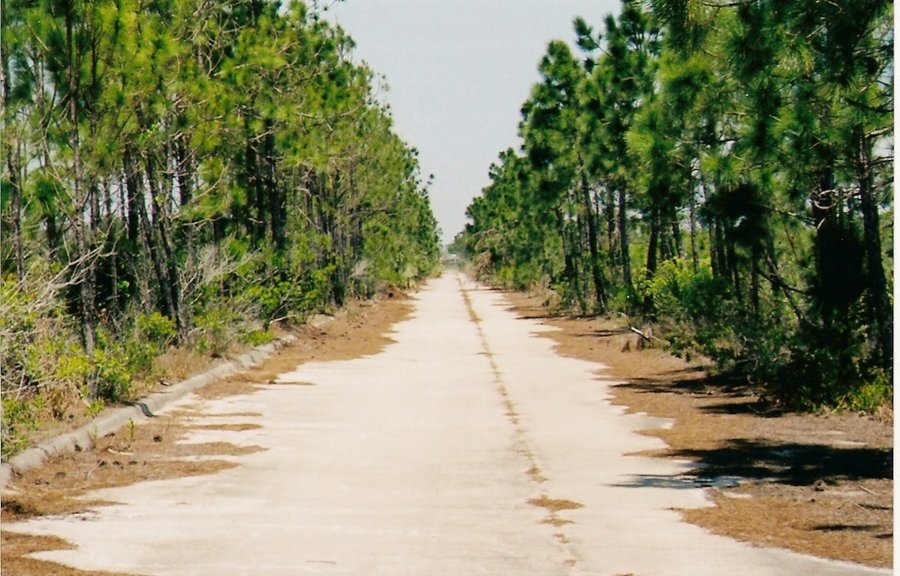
column 468, row 446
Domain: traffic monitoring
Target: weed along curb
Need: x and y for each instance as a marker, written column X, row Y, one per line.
column 114, row 419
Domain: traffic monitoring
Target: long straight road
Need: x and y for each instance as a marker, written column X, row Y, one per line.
column 467, row 447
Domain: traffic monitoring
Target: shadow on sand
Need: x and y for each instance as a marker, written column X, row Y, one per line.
column 793, row 464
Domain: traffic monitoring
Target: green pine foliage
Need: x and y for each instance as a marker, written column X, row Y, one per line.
column 186, row 172
column 723, row 171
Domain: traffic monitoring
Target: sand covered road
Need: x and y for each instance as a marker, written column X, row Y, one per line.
column 467, row 447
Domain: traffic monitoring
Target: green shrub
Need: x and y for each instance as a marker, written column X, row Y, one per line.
column 289, row 291
column 94, row 408
column 693, row 309
column 152, row 334
column 259, row 337
column 871, row 396
column 827, row 366
column 156, row 329
column 114, row 377
column 217, row 326
column 30, row 333
column 74, row 367
column 800, row 365
column 526, row 276
column 676, row 291
column 19, row 419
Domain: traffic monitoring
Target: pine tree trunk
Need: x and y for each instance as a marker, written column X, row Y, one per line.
column 652, row 249
column 878, row 302
column 596, row 272
column 15, row 207
column 570, row 272
column 84, row 271
column 722, row 250
column 164, row 295
column 623, row 237
column 611, row 227
column 653, row 243
column 15, row 186
column 754, row 280
column 676, row 238
column 184, row 172
column 184, row 233
column 695, row 252
column 133, row 198
column 256, row 212
column 576, row 249
column 169, row 270
column 277, row 201
column 731, row 265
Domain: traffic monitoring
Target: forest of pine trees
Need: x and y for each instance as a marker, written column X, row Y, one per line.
column 185, row 171
column 723, row 170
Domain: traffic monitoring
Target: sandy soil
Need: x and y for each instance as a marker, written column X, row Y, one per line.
column 814, row 483
column 819, row 484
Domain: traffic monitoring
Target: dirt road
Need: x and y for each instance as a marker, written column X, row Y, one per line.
column 467, row 447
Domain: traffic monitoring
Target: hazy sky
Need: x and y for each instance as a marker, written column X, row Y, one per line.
column 458, row 72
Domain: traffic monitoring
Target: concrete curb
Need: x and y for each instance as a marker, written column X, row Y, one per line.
column 114, row 419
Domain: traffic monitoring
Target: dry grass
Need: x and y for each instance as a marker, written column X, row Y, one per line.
column 16, row 548
column 845, row 527
column 180, row 363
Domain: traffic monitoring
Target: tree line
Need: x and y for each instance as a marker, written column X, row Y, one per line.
column 172, row 169
column 723, row 170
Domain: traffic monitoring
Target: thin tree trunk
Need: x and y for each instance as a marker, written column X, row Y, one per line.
column 570, row 272
column 84, row 267
column 596, row 271
column 277, row 202
column 109, row 219
column 732, row 267
column 878, row 302
column 184, row 233
column 576, row 247
column 664, row 243
column 184, row 171
column 676, row 238
column 778, row 283
column 692, row 212
column 133, row 198
column 724, row 250
column 15, row 206
column 611, row 226
column 13, row 167
column 653, row 243
column 623, row 237
column 172, row 280
column 256, row 204
column 754, row 280
column 652, row 249
column 164, row 295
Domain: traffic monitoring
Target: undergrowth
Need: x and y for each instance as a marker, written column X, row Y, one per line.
column 46, row 377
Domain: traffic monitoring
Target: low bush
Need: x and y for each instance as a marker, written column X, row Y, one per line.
column 19, row 418
column 796, row 364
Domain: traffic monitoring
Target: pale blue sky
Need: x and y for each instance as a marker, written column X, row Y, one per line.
column 458, row 72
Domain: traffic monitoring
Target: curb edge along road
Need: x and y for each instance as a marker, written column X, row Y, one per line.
column 114, row 419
